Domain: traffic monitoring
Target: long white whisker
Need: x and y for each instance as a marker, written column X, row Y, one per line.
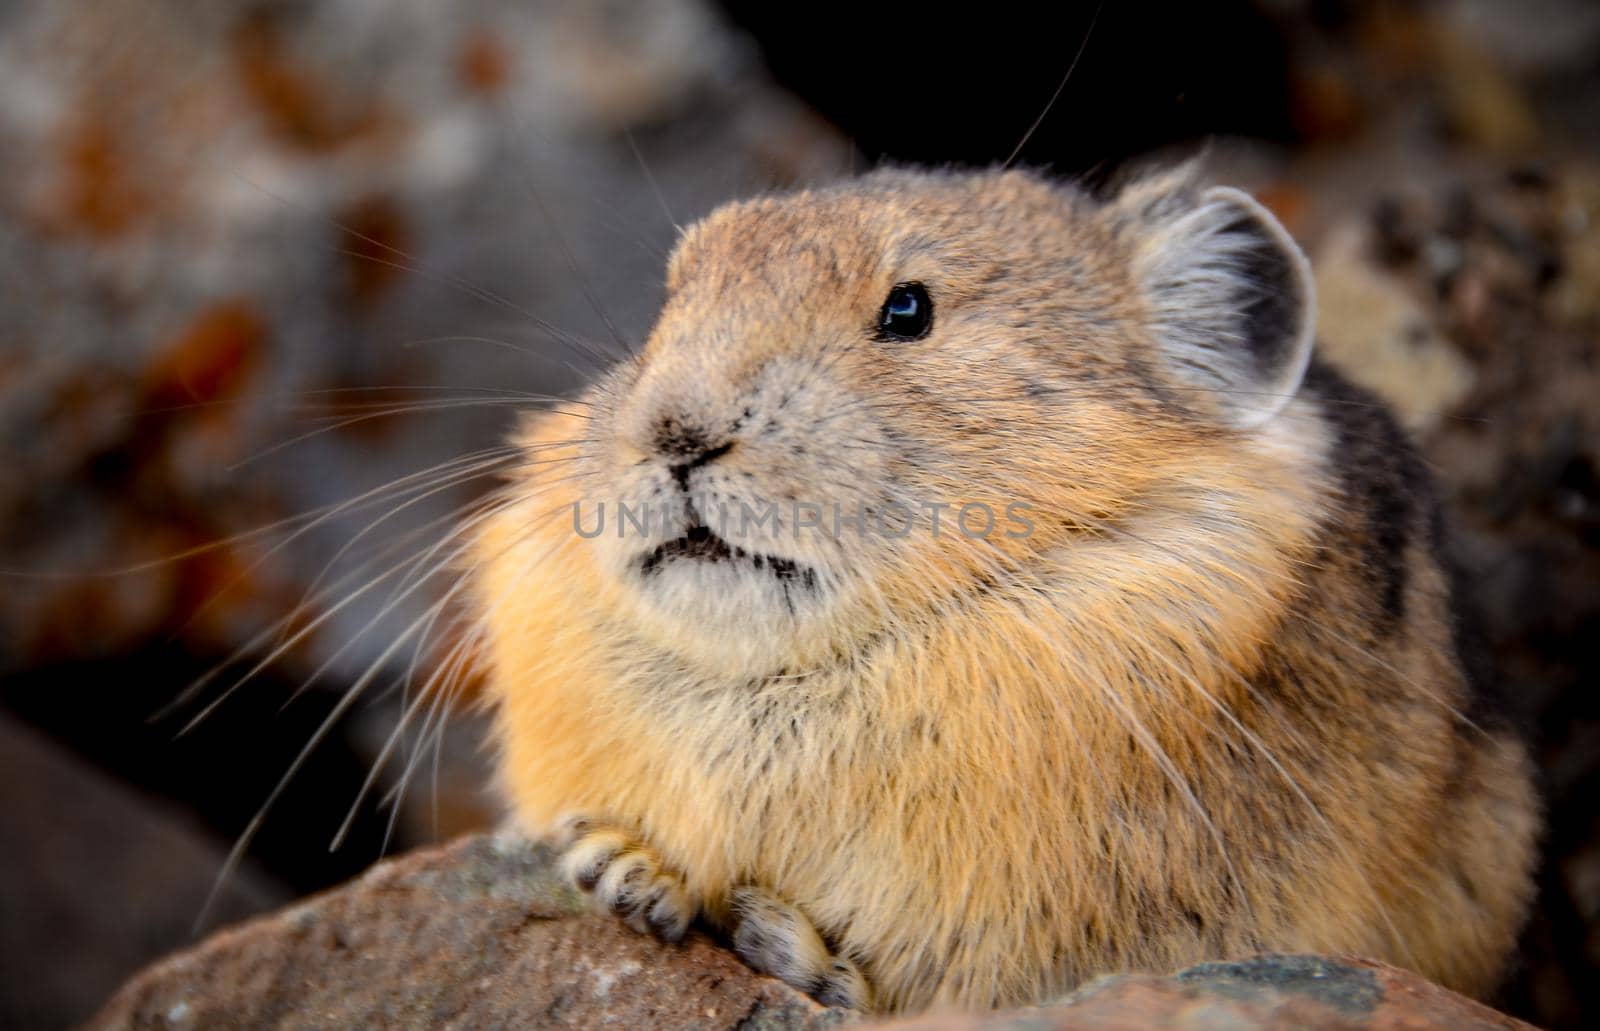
column 236, row 853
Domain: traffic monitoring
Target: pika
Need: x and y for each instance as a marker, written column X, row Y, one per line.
column 996, row 592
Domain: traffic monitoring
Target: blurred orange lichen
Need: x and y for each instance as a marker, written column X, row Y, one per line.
column 222, row 592
column 98, row 195
column 296, row 108
column 211, row 360
column 483, row 64
column 376, row 244
column 1324, row 105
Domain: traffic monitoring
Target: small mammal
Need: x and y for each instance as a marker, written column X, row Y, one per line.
column 1209, row 701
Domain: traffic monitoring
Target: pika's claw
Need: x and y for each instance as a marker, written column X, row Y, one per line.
column 626, row 878
column 776, row 938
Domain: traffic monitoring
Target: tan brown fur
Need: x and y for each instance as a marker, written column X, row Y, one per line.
column 1171, row 724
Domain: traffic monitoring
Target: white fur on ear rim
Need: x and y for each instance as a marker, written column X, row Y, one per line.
column 1232, row 302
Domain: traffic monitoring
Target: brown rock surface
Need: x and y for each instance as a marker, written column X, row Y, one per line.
column 96, row 880
column 482, row 933
column 1265, row 992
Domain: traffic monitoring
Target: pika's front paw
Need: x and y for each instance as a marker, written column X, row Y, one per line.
column 626, row 878
column 776, row 938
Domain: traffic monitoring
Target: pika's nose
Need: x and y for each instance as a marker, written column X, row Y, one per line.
column 686, row 447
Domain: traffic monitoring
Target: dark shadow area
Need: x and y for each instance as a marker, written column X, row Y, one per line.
column 929, row 86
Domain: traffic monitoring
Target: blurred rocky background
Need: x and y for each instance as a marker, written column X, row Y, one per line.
column 276, row 275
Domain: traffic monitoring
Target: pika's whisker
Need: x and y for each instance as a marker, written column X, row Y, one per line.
column 310, row 626
column 407, row 263
column 408, row 711
column 357, row 420
column 623, row 350
column 650, row 178
column 472, row 472
column 335, row 714
column 317, row 518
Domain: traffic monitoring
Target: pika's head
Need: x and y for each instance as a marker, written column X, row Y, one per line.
column 861, row 401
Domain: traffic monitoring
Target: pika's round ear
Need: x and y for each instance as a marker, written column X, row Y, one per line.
column 1231, row 301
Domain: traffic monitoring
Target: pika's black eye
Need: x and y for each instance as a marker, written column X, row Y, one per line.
column 907, row 313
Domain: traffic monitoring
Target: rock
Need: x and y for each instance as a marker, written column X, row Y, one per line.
column 1265, row 992
column 368, row 225
column 271, row 275
column 1306, row 993
column 98, row 881
column 1372, row 328
column 484, row 933
column 480, row 933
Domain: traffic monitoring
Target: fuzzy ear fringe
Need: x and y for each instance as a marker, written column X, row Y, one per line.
column 1158, row 193
column 1230, row 294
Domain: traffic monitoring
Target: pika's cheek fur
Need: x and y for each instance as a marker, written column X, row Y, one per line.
column 1207, row 700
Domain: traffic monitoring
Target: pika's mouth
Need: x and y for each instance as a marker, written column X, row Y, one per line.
column 700, row 544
